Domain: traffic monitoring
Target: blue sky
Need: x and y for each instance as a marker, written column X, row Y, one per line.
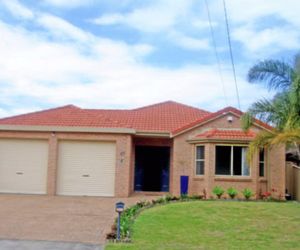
column 125, row 53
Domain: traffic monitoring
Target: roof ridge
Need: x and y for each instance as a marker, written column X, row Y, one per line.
column 108, row 109
column 40, row 111
column 169, row 102
column 153, row 105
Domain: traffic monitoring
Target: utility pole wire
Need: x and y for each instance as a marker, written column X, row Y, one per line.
column 231, row 56
column 216, row 53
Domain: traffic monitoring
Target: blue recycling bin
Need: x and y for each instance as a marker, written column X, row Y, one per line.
column 184, row 184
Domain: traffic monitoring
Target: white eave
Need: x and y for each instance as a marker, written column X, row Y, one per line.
column 66, row 129
column 160, row 134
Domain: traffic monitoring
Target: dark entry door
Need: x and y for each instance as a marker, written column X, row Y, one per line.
column 152, row 168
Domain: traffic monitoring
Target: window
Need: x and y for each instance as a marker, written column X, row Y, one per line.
column 231, row 160
column 200, row 160
column 262, row 163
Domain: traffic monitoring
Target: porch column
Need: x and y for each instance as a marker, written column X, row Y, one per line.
column 52, row 165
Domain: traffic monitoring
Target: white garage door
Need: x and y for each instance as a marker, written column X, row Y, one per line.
column 23, row 166
column 86, row 168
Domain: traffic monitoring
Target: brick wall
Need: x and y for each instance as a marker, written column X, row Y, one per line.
column 123, row 155
column 184, row 164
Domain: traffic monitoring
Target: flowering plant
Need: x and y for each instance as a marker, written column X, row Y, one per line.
column 266, row 195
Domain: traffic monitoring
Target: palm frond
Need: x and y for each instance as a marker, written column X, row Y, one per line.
column 297, row 63
column 247, row 121
column 274, row 73
column 287, row 137
column 283, row 111
column 262, row 140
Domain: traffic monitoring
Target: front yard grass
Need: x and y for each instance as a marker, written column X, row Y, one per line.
column 216, row 225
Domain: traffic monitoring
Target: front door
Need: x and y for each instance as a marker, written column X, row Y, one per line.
column 152, row 165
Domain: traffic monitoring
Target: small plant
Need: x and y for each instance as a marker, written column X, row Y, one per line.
column 184, row 197
column 175, row 198
column 168, row 197
column 266, row 195
column 232, row 192
column 161, row 200
column 247, row 192
column 143, row 204
column 218, row 191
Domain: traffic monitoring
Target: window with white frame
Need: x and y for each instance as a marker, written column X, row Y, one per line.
column 231, row 160
column 262, row 162
column 200, row 160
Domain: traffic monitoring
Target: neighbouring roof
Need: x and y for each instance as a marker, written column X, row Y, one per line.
column 228, row 134
column 170, row 117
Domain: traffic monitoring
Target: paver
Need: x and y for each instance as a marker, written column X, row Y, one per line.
column 58, row 218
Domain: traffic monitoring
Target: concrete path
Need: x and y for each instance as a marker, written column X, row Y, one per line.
column 45, row 245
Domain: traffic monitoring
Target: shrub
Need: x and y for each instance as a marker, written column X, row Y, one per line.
column 168, row 197
column 161, row 200
column 218, row 191
column 266, row 196
column 232, row 192
column 184, row 197
column 175, row 198
column 247, row 192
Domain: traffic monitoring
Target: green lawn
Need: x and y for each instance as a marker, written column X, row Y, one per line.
column 216, row 225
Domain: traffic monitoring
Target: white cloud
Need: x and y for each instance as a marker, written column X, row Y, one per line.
column 56, row 73
column 202, row 24
column 143, row 49
column 109, row 19
column 61, row 28
column 158, row 17
column 68, row 3
column 155, row 17
column 17, row 10
column 75, row 66
column 249, row 10
column 267, row 41
column 188, row 42
column 246, row 17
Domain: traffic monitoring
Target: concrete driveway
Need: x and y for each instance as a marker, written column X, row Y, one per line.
column 57, row 218
column 46, row 245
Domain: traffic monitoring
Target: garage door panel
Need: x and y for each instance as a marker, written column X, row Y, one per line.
column 86, row 168
column 23, row 166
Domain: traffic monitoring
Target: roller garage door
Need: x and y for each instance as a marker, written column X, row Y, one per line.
column 23, row 166
column 86, row 168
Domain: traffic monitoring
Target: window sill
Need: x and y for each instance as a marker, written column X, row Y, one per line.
column 233, row 178
column 198, row 178
column 263, row 179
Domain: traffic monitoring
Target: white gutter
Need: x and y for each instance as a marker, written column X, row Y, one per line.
column 153, row 134
column 66, row 129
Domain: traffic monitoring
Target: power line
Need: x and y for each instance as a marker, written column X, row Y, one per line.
column 216, row 52
column 231, row 55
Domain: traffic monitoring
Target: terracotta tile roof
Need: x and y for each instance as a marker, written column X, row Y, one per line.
column 167, row 116
column 226, row 134
column 214, row 115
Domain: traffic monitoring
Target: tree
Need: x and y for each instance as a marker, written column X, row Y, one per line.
column 282, row 111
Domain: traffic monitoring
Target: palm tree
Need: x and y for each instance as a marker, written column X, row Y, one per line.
column 282, row 111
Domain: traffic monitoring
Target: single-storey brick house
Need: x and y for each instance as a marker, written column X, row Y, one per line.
column 96, row 152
